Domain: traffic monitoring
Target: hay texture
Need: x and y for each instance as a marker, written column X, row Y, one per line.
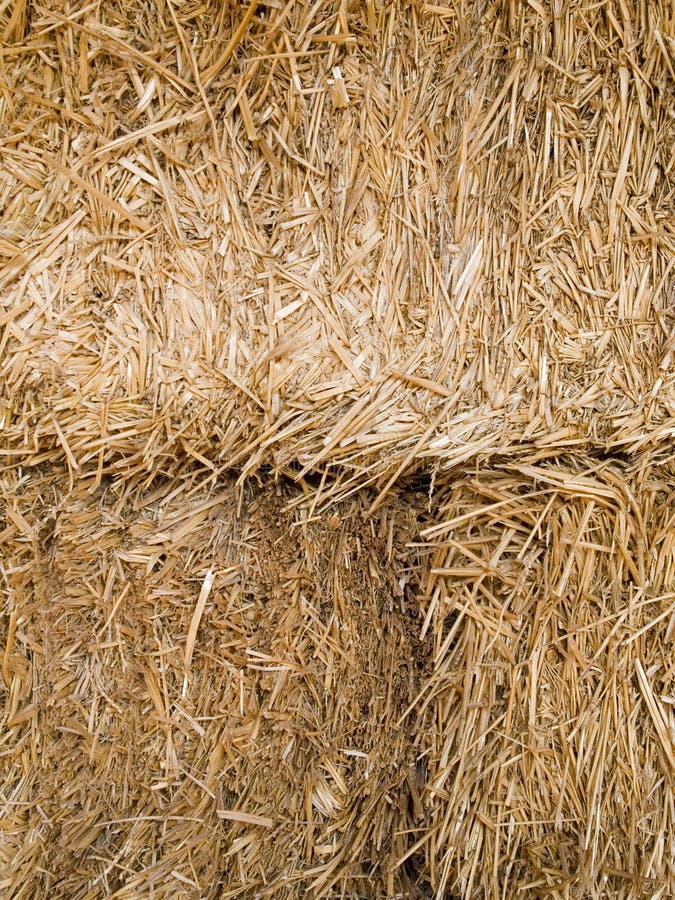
column 337, row 399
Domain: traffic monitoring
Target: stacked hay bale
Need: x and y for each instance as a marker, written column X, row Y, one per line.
column 336, row 409
column 208, row 702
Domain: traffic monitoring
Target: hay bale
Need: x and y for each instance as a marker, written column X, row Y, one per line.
column 344, row 235
column 202, row 702
column 336, row 410
column 550, row 600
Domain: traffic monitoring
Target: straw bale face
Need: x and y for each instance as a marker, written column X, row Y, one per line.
column 267, row 750
column 550, row 597
column 346, row 234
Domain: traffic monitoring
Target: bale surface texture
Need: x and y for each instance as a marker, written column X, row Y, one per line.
column 337, row 406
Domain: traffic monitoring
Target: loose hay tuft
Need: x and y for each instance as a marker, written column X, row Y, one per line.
column 337, row 399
